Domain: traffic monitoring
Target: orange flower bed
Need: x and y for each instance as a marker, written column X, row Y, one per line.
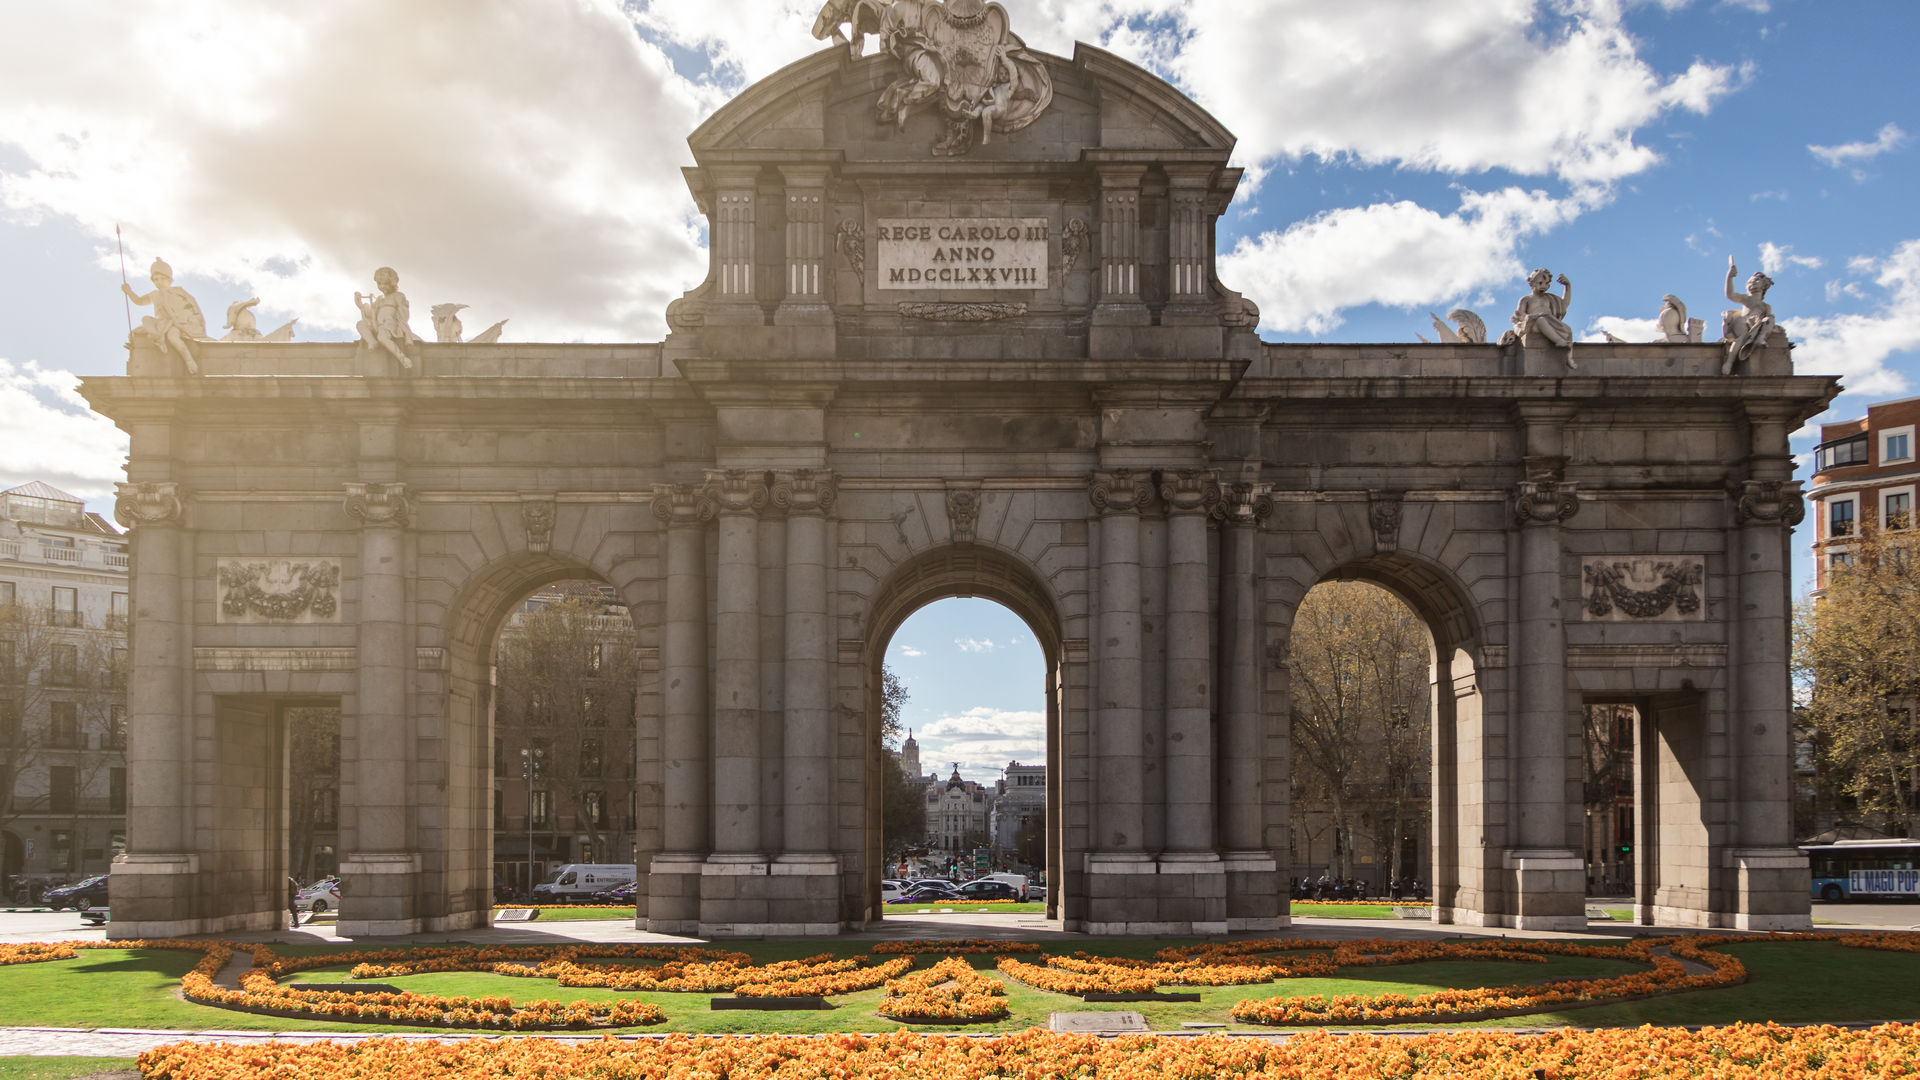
column 949, row 992
column 1736, row 1052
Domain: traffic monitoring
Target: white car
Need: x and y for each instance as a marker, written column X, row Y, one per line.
column 322, row 895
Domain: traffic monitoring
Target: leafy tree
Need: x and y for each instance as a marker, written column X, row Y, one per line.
column 566, row 675
column 1857, row 659
column 1360, row 665
column 903, row 808
column 313, row 786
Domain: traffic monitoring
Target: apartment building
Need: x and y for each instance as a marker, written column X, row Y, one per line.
column 1864, row 471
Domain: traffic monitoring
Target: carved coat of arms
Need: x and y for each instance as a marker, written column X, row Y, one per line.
column 959, row 56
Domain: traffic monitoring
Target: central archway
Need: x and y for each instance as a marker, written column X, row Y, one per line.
column 969, row 570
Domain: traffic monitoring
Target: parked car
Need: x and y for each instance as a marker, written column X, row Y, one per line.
column 891, row 891
column 322, row 895
column 620, row 895
column 930, row 894
column 1019, row 882
column 1036, row 893
column 91, row 892
column 988, row 889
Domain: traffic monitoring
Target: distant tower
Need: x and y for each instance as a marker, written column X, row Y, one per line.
column 910, row 756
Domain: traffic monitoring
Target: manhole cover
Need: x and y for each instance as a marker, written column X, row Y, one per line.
column 1098, row 1023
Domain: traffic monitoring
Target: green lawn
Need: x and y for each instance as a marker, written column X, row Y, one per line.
column 575, row 914
column 59, row 1068
column 1343, row 911
column 1790, row 981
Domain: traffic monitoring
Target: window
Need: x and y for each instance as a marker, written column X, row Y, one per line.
column 6, row 593
column 1840, row 517
column 66, row 606
column 116, row 727
column 117, row 666
column 117, row 791
column 117, row 612
column 60, row 855
column 594, row 807
column 65, row 666
column 1839, row 558
column 1896, row 445
column 542, row 808
column 65, row 726
column 1897, row 510
column 499, row 756
column 61, row 789
column 593, row 657
column 499, row 811
column 590, row 758
column 1841, row 452
column 326, row 807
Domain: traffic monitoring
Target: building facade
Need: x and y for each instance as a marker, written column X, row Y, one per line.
column 947, row 357
column 1019, row 797
column 1864, row 470
column 63, row 655
column 958, row 815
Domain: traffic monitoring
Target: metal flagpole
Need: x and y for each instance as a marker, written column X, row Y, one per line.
column 123, row 278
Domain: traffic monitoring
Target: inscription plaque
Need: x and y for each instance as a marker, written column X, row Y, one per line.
column 962, row 253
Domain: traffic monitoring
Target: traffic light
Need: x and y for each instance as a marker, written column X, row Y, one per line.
column 1626, row 849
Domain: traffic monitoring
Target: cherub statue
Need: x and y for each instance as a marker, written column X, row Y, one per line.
column 1674, row 325
column 1471, row 330
column 241, row 327
column 446, row 326
column 1540, row 316
column 1746, row 328
column 861, row 16
column 176, row 318
column 383, row 322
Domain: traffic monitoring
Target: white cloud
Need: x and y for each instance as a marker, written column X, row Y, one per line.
column 1775, row 258
column 518, row 157
column 1623, row 328
column 1857, row 346
column 1758, row 7
column 1398, row 253
column 975, row 645
column 908, row 650
column 983, row 740
column 1859, row 153
column 53, row 436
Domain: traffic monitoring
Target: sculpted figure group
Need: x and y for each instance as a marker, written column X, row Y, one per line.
column 1540, row 319
column 177, row 322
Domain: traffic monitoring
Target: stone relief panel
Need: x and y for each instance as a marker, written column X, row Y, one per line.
column 1643, row 589
column 278, row 591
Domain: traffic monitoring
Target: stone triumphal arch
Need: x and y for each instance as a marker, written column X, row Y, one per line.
column 961, row 335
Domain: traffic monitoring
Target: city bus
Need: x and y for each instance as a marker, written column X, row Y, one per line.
column 1865, row 869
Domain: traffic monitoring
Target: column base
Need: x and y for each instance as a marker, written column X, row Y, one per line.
column 1771, row 890
column 1178, row 894
column 379, row 895
column 673, row 894
column 749, row 896
column 1256, row 902
column 154, row 897
column 1548, row 889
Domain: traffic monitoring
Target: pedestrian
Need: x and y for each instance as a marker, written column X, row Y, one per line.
column 293, row 901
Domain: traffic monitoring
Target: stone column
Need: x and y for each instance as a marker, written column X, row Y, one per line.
column 805, row 300
column 380, row 868
column 1120, row 885
column 673, row 883
column 1548, row 877
column 154, row 882
column 806, row 875
column 1120, row 246
column 1253, row 899
column 1189, row 494
column 1769, row 887
column 739, row 495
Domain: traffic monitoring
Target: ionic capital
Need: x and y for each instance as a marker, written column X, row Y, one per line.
column 1769, row 502
column 379, row 505
column 151, row 503
column 804, row 491
column 1544, row 502
column 1120, row 491
column 682, row 505
column 737, row 491
column 1244, row 505
column 1189, row 491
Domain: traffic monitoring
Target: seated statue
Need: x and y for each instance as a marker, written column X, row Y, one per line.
column 383, row 322
column 1746, row 328
column 176, row 318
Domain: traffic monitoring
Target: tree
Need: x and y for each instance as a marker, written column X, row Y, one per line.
column 313, row 785
column 903, row 807
column 1856, row 657
column 1360, row 664
column 566, row 675
column 62, row 712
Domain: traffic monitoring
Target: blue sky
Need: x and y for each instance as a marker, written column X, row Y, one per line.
column 523, row 156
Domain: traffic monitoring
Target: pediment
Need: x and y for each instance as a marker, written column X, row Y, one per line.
column 825, row 103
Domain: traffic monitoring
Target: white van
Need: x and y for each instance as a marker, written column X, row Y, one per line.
column 574, row 883
column 1018, row 881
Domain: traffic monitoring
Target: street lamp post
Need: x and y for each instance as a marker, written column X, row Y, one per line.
column 529, row 772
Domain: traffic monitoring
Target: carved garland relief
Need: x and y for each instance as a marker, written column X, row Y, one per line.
column 270, row 591
column 1642, row 589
